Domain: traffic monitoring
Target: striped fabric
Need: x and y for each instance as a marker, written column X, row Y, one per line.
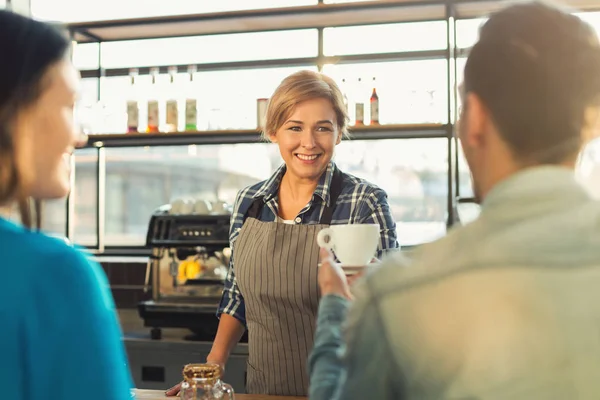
column 359, row 203
column 279, row 277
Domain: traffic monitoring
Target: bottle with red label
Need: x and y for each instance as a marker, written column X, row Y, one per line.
column 374, row 106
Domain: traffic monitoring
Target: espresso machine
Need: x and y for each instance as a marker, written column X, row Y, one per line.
column 186, row 270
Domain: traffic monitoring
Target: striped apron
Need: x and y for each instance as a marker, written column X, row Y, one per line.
column 276, row 272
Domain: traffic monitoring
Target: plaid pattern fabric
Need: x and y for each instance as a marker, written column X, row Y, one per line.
column 360, row 202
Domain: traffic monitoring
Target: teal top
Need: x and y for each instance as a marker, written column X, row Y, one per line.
column 60, row 334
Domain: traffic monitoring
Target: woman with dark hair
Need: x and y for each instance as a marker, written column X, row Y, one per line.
column 60, row 335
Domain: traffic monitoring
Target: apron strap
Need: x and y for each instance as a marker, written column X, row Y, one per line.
column 336, row 189
column 255, row 208
column 334, row 193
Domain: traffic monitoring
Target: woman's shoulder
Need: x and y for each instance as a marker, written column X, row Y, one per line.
column 39, row 250
column 251, row 190
column 247, row 194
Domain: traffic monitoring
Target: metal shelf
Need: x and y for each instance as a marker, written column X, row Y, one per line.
column 286, row 18
column 261, row 20
column 286, row 62
column 367, row 132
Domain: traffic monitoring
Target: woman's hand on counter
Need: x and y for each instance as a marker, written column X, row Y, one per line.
column 174, row 391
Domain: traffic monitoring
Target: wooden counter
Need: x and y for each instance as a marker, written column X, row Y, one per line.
column 160, row 395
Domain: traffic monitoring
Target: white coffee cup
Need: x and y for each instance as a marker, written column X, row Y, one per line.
column 354, row 245
column 177, row 206
column 202, row 207
column 219, row 207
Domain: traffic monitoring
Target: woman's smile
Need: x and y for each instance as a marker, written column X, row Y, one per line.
column 307, row 158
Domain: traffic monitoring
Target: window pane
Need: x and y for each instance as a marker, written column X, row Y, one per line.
column 226, row 99
column 409, row 91
column 54, row 217
column 588, row 168
column 467, row 32
column 587, row 172
column 210, row 49
column 85, row 198
column 139, row 180
column 413, row 172
column 86, row 108
column 386, row 38
column 86, row 55
column 78, row 10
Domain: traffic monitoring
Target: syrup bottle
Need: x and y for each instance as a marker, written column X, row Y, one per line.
column 360, row 106
column 153, row 105
column 133, row 112
column 374, row 106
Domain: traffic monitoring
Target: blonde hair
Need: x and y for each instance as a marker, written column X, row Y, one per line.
column 302, row 86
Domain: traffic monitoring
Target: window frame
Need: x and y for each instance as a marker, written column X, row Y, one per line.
column 309, row 17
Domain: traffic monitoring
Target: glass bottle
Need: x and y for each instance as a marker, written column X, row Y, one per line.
column 191, row 105
column 203, row 382
column 374, row 105
column 360, row 106
column 133, row 119
column 172, row 105
column 153, row 104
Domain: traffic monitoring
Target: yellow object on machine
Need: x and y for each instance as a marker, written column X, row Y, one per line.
column 189, row 269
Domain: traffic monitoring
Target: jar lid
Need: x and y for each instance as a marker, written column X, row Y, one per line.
column 201, row 371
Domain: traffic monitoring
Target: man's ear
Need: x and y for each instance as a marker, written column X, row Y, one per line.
column 474, row 121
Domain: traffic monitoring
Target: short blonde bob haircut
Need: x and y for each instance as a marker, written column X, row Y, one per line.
column 299, row 87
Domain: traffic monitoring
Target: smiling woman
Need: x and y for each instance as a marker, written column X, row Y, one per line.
column 57, row 313
column 271, row 288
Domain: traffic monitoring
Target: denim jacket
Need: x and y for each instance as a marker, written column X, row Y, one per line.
column 506, row 307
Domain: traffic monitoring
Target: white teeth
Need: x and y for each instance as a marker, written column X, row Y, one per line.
column 307, row 158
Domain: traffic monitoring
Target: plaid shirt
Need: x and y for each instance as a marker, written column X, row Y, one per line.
column 360, row 202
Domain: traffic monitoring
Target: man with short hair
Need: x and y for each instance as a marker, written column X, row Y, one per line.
column 508, row 306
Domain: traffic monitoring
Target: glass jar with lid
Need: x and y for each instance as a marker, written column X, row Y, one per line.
column 203, row 382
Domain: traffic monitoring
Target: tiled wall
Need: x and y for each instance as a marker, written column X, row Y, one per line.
column 127, row 281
